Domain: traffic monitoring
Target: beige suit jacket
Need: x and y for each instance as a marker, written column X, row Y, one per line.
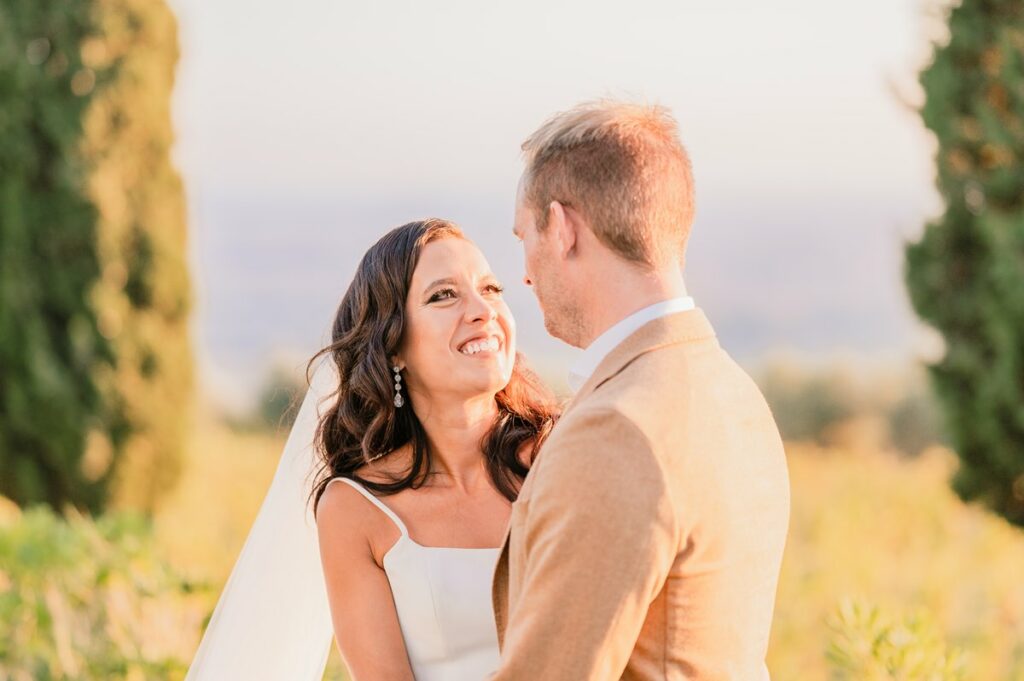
column 647, row 539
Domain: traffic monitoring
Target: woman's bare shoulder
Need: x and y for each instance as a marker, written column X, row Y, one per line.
column 347, row 516
column 343, row 513
column 387, row 469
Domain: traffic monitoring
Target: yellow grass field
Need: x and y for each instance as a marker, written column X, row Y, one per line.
column 867, row 525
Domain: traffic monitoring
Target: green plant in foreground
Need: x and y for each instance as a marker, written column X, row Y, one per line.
column 88, row 599
column 869, row 644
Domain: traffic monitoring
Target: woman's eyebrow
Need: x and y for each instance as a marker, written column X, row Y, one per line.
column 437, row 282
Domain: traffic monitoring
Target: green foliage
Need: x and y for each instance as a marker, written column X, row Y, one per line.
column 144, row 294
column 50, row 345
column 871, row 645
column 914, row 421
column 84, row 599
column 888, row 529
column 816, row 404
column 807, row 404
column 966, row 274
column 277, row 404
column 95, row 366
column 280, row 398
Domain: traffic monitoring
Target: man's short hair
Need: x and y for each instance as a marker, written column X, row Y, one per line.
column 622, row 166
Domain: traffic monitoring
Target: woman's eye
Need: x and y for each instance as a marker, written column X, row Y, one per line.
column 495, row 288
column 442, row 295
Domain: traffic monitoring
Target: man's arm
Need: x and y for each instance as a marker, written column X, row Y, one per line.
column 600, row 535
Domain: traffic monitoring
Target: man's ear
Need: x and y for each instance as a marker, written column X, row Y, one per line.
column 563, row 226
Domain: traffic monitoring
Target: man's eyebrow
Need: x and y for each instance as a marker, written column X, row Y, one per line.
column 449, row 281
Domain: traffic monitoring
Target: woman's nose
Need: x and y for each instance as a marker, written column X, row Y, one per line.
column 481, row 309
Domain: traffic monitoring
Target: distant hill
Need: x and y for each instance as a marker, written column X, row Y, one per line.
column 811, row 278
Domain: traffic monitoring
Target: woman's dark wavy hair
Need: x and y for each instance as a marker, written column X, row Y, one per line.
column 363, row 422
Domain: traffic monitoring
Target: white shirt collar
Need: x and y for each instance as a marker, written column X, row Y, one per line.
column 588, row 362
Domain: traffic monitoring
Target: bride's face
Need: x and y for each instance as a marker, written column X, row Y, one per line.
column 460, row 338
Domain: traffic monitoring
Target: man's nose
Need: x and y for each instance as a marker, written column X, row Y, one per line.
column 527, row 280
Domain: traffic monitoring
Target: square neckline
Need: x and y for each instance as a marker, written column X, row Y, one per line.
column 404, row 532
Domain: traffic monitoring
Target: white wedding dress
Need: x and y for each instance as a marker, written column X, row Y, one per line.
column 443, row 599
column 273, row 620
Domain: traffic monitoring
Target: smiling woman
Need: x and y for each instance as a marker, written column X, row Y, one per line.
column 425, row 316
column 460, row 314
column 407, row 581
column 424, row 300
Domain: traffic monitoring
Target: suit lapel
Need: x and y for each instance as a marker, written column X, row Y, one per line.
column 672, row 329
column 499, row 590
column 500, row 584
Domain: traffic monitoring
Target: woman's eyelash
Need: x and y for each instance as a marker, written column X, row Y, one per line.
column 444, row 293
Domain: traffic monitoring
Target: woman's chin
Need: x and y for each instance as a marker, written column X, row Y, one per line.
column 485, row 383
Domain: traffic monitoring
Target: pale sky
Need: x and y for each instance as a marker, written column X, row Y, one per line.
column 308, row 129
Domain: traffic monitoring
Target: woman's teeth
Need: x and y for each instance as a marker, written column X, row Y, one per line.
column 490, row 345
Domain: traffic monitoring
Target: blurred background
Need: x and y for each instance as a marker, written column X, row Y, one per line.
column 186, row 188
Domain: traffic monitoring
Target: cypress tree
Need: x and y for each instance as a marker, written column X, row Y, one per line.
column 95, row 364
column 143, row 294
column 50, row 345
column 966, row 273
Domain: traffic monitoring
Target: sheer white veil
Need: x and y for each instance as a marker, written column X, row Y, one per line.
column 273, row 620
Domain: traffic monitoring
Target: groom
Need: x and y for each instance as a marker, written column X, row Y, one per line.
column 646, row 540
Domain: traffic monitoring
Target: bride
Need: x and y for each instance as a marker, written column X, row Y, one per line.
column 431, row 425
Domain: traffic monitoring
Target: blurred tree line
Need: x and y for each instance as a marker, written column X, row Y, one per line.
column 966, row 273
column 95, row 364
column 830, row 405
column 840, row 405
column 277, row 402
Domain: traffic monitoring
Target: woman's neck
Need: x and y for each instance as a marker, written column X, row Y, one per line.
column 455, row 430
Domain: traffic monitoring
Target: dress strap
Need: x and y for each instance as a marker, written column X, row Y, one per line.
column 376, row 502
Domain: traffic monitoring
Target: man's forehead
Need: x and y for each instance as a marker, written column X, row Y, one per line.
column 521, row 187
column 519, row 220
